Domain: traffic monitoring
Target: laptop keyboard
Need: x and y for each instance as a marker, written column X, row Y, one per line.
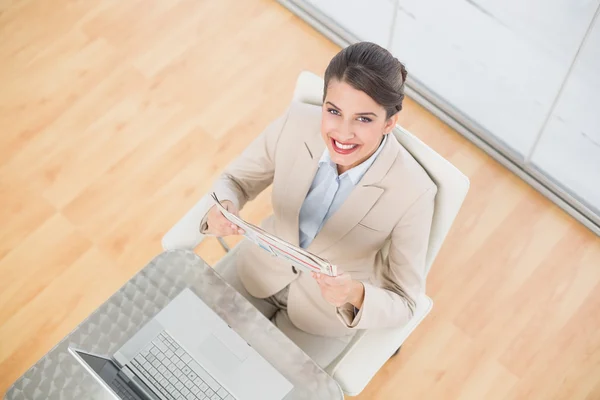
column 121, row 390
column 175, row 374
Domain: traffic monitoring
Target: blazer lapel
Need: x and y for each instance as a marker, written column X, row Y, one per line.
column 362, row 198
column 304, row 169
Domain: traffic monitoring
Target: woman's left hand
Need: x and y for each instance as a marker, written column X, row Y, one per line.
column 341, row 289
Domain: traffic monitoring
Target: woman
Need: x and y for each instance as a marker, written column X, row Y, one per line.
column 343, row 190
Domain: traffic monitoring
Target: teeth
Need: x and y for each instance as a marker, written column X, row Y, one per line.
column 344, row 146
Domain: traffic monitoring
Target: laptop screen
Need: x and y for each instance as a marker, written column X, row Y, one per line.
column 106, row 370
column 96, row 363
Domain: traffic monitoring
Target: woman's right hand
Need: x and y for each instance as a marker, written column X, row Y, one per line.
column 218, row 225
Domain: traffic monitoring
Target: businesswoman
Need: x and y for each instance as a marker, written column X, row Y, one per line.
column 344, row 189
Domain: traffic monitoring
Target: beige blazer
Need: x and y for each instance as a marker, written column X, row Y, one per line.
column 379, row 235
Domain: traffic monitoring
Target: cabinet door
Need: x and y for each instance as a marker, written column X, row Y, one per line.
column 499, row 64
column 569, row 148
column 366, row 20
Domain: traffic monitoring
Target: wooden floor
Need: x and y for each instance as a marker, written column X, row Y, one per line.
column 116, row 116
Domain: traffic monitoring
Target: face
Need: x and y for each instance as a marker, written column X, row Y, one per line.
column 353, row 125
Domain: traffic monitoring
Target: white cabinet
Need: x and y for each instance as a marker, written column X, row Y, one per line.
column 500, row 64
column 365, row 20
column 569, row 148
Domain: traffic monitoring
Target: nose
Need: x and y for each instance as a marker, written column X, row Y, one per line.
column 345, row 131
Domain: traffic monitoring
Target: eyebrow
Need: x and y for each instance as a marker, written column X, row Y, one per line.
column 363, row 113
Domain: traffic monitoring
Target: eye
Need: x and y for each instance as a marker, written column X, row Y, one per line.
column 364, row 119
column 333, row 111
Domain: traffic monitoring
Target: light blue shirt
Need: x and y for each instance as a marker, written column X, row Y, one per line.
column 328, row 192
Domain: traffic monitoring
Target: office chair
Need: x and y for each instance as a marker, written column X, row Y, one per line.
column 369, row 349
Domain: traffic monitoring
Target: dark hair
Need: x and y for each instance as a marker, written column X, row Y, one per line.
column 372, row 69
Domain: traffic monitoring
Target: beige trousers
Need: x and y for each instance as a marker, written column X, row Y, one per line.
column 323, row 350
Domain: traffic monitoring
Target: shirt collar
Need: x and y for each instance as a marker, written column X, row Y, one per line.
column 356, row 173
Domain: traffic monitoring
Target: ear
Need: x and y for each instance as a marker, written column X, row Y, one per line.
column 391, row 123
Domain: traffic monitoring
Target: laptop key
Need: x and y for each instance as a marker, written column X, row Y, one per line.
column 173, row 380
column 203, row 386
column 192, row 375
column 186, row 370
column 190, row 397
column 215, row 397
column 179, row 386
column 180, row 352
column 154, row 350
column 209, row 393
column 161, row 346
column 186, row 358
column 223, row 393
column 185, row 391
column 195, row 389
column 205, row 376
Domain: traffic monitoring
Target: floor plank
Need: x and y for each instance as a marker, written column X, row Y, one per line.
column 116, row 116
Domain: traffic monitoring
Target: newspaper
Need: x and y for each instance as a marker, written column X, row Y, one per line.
column 297, row 256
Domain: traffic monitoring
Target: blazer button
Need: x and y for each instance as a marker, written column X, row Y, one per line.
column 294, row 270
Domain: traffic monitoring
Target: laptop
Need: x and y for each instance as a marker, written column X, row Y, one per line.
column 186, row 352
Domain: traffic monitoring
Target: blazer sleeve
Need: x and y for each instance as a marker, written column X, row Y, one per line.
column 402, row 279
column 251, row 172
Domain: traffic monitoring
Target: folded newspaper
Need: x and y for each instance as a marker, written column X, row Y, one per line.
column 297, row 256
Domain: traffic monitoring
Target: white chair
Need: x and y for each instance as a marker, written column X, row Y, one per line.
column 368, row 350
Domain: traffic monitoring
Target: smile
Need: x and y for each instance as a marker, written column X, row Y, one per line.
column 343, row 148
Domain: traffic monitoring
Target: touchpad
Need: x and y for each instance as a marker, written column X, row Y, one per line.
column 218, row 354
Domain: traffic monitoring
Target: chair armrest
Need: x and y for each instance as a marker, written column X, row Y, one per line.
column 185, row 234
column 370, row 349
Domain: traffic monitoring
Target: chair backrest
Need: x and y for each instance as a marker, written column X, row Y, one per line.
column 452, row 184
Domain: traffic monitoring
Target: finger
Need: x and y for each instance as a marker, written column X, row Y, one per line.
column 236, row 230
column 227, row 230
column 340, row 280
column 232, row 209
column 329, row 280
